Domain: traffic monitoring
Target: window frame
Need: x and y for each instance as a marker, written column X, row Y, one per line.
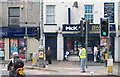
column 50, row 14
column 13, row 16
column 88, row 13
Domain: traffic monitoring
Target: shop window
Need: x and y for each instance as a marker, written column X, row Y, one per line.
column 2, row 50
column 72, row 45
column 13, row 46
column 18, row 45
column 22, row 45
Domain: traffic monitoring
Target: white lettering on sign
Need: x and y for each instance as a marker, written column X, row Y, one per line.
column 3, row 34
column 95, row 28
column 71, row 28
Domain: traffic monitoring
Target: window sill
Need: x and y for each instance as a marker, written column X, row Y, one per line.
column 50, row 24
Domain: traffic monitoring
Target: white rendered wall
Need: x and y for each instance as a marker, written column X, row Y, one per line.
column 32, row 46
column 118, row 12
column 0, row 14
column 116, row 50
column 60, row 49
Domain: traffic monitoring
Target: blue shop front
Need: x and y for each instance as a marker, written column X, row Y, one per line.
column 73, row 38
column 17, row 41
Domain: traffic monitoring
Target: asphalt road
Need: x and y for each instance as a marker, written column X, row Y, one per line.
column 64, row 68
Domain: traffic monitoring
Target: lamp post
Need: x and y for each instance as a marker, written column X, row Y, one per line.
column 41, row 27
column 25, row 37
column 25, row 43
column 86, row 40
column 108, row 38
column 41, row 48
column 86, row 37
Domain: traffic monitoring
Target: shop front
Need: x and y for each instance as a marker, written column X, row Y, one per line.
column 73, row 38
column 16, row 40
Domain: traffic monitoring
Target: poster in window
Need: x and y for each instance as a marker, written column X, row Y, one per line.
column 21, row 48
column 13, row 46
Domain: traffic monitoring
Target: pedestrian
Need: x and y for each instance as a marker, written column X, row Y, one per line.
column 49, row 55
column 98, row 56
column 106, row 57
column 95, row 53
column 79, row 49
column 101, row 55
column 83, row 58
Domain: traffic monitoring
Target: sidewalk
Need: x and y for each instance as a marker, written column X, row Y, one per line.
column 69, row 68
column 73, row 68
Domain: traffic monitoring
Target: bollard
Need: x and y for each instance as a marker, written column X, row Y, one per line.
column 44, row 60
column 44, row 56
column 110, row 65
column 34, row 59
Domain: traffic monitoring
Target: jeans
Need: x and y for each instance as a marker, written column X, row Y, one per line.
column 94, row 58
column 83, row 63
column 105, row 63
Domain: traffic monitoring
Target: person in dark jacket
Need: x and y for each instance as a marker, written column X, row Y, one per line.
column 49, row 55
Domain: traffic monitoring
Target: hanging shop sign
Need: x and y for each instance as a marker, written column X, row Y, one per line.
column 109, row 10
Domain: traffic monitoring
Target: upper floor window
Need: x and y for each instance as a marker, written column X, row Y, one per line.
column 13, row 16
column 50, row 14
column 89, row 13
